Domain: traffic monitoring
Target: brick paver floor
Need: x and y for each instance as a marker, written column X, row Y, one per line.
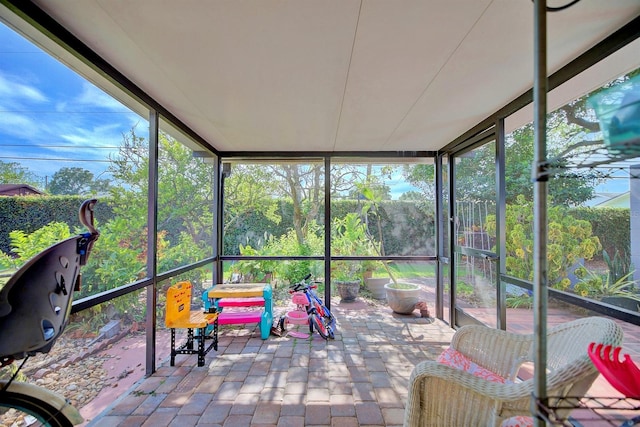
column 358, row 379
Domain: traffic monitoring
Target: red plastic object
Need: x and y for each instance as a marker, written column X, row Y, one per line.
column 299, row 298
column 235, row 318
column 297, row 317
column 297, row 334
column 241, row 302
column 624, row 375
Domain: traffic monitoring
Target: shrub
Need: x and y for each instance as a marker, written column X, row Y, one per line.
column 25, row 246
column 569, row 239
column 598, row 286
column 611, row 225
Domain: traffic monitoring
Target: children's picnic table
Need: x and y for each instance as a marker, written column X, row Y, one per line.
column 238, row 290
column 242, row 295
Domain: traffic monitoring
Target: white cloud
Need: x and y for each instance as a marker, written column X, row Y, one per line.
column 93, row 96
column 106, row 135
column 11, row 88
column 17, row 125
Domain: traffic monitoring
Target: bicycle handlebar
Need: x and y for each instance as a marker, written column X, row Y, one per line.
column 297, row 287
column 302, row 284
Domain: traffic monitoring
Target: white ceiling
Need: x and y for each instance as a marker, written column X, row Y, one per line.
column 332, row 75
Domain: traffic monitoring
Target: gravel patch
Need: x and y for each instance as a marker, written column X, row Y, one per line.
column 73, row 368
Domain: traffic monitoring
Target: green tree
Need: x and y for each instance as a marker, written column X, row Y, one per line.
column 76, row 181
column 411, row 196
column 15, row 173
column 249, row 188
column 184, row 191
column 576, row 114
column 260, row 187
column 568, row 189
column 301, row 183
column 130, row 169
column 184, row 218
column 382, row 192
column 422, row 177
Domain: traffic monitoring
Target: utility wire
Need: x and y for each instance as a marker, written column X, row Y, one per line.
column 559, row 8
column 62, row 146
column 51, row 159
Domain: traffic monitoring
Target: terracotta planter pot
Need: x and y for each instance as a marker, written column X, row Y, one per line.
column 402, row 300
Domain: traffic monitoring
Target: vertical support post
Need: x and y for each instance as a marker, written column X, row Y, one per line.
column 634, row 205
column 540, row 290
column 218, row 199
column 501, row 221
column 439, row 238
column 152, row 233
column 327, row 232
column 451, row 242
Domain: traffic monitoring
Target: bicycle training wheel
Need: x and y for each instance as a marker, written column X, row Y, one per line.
column 330, row 323
column 21, row 410
column 331, row 333
column 318, row 323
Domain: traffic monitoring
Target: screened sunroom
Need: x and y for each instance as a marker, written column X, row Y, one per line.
column 413, row 141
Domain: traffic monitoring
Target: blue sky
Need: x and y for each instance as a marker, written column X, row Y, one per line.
column 50, row 117
column 49, row 112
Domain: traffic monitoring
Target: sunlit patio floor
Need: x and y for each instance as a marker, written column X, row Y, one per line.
column 358, row 379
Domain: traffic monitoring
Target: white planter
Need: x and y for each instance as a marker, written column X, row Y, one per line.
column 375, row 285
column 403, row 300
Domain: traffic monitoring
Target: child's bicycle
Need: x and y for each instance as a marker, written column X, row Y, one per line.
column 320, row 318
column 34, row 310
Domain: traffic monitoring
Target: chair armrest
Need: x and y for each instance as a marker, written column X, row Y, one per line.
column 499, row 351
column 495, row 390
column 439, row 394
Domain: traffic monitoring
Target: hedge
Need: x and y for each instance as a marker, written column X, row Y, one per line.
column 611, row 225
column 408, row 228
column 410, row 232
column 29, row 213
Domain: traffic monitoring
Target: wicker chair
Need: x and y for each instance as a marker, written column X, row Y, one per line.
column 440, row 395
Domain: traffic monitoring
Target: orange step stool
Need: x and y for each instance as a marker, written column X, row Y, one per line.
column 178, row 315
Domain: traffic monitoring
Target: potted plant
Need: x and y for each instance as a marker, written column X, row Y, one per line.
column 371, row 207
column 375, row 285
column 345, row 276
column 349, row 234
column 608, row 288
column 401, row 297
